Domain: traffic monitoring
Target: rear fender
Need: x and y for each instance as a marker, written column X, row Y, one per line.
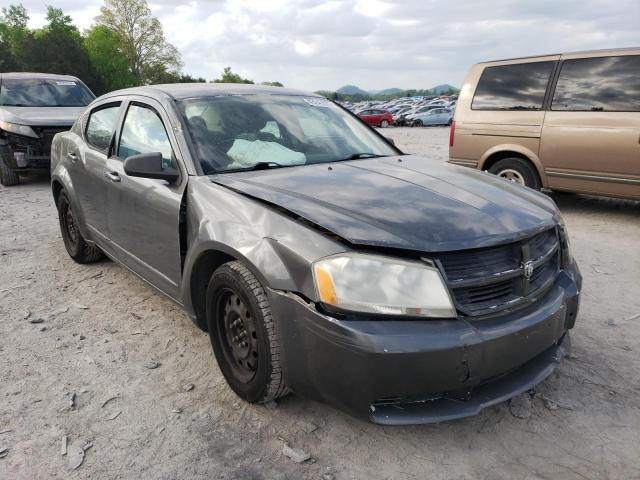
column 518, row 149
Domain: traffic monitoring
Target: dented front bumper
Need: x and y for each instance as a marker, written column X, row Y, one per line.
column 424, row 371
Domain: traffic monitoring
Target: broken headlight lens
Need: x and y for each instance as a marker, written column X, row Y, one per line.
column 381, row 285
column 18, row 129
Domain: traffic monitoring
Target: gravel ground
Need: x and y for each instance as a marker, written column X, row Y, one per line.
column 91, row 353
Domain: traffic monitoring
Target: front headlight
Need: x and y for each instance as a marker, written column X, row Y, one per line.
column 376, row 284
column 16, row 128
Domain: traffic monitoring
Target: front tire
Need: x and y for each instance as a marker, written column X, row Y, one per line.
column 8, row 168
column 384, row 124
column 417, row 123
column 517, row 170
column 243, row 334
column 74, row 242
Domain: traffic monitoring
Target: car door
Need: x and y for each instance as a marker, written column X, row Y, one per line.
column 433, row 116
column 144, row 214
column 366, row 116
column 87, row 159
column 591, row 133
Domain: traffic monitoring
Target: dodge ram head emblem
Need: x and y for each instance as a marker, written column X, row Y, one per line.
column 528, row 269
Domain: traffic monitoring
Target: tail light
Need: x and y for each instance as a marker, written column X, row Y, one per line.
column 452, row 133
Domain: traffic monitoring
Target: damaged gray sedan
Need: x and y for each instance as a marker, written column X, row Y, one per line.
column 320, row 258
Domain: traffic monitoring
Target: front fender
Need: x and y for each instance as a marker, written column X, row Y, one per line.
column 276, row 248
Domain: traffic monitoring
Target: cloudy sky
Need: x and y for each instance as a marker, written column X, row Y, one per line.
column 375, row 44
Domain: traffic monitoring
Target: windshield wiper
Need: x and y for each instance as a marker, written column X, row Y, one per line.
column 358, row 156
column 257, row 166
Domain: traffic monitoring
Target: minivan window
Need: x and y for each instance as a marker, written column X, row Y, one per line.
column 143, row 132
column 100, row 127
column 599, row 84
column 513, row 87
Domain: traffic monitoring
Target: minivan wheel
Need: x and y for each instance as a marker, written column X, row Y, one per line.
column 384, row 124
column 8, row 168
column 74, row 242
column 517, row 170
column 243, row 334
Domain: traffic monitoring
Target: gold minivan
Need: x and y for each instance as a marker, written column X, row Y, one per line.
column 565, row 122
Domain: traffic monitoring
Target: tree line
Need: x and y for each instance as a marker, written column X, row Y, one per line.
column 125, row 47
column 359, row 97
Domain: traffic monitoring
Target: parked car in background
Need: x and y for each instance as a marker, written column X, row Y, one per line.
column 435, row 116
column 319, row 258
column 565, row 122
column 33, row 108
column 376, row 117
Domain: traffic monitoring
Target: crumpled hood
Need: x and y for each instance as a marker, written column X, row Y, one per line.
column 41, row 116
column 405, row 202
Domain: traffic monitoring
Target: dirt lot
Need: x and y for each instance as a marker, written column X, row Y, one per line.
column 85, row 372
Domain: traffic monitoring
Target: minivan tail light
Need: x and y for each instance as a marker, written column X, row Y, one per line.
column 452, row 133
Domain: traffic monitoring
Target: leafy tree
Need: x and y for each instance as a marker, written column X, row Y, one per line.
column 273, row 84
column 58, row 48
column 13, row 36
column 143, row 44
column 229, row 77
column 105, row 53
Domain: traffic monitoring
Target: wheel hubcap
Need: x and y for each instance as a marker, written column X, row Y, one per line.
column 239, row 336
column 513, row 175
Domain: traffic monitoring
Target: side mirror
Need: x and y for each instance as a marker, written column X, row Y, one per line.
column 390, row 140
column 149, row 165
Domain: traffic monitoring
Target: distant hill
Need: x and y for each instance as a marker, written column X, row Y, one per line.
column 354, row 93
column 438, row 89
column 352, row 90
column 388, row 91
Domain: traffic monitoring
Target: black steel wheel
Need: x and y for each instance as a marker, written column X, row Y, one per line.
column 239, row 335
column 8, row 168
column 243, row 334
column 74, row 242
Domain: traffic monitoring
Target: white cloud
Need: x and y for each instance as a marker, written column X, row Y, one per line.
column 375, row 44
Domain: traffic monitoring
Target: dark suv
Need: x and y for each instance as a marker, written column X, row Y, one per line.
column 33, row 108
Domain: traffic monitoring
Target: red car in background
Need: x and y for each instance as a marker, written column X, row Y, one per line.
column 378, row 118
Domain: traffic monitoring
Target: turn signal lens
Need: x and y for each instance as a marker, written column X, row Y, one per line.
column 326, row 289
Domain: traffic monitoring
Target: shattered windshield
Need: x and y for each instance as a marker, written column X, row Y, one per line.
column 43, row 92
column 245, row 132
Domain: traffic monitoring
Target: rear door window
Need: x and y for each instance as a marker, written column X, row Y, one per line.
column 519, row 86
column 101, row 125
column 599, row 84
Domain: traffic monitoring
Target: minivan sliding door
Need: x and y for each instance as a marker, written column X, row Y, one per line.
column 591, row 133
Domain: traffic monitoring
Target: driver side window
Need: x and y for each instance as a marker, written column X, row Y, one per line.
column 144, row 132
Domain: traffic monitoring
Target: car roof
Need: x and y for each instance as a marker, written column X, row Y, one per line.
column 27, row 75
column 180, row 91
column 583, row 52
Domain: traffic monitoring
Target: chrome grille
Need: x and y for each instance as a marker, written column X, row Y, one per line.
column 492, row 279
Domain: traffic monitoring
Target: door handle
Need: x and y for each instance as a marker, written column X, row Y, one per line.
column 72, row 156
column 113, row 176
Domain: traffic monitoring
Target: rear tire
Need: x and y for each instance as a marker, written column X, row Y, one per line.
column 8, row 168
column 518, row 170
column 243, row 334
column 74, row 242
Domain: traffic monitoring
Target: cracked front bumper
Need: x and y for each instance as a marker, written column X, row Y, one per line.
column 423, row 371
